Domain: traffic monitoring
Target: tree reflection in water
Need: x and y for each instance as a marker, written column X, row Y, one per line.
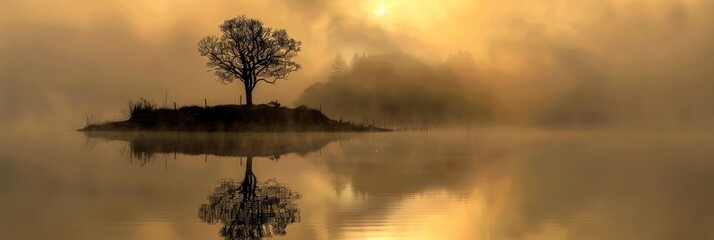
column 249, row 210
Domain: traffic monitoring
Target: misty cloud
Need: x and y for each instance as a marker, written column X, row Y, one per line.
column 626, row 61
column 401, row 90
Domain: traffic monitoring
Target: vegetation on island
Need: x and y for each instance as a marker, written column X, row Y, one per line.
column 250, row 53
column 145, row 116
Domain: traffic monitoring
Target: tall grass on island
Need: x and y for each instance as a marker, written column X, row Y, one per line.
column 144, row 115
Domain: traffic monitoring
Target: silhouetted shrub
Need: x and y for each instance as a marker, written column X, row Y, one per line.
column 140, row 107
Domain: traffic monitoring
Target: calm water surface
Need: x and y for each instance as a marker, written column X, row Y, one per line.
column 452, row 184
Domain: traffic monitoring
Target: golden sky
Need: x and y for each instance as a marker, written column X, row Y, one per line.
column 82, row 55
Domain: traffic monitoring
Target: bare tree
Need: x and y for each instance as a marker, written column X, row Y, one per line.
column 250, row 52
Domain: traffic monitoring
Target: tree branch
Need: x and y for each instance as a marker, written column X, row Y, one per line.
column 267, row 81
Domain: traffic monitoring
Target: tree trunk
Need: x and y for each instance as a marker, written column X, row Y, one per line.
column 248, row 96
column 249, row 181
column 249, row 166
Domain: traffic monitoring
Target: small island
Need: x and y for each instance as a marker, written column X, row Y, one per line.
column 228, row 118
column 250, row 53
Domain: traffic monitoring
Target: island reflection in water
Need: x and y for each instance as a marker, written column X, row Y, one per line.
column 144, row 146
column 247, row 209
column 490, row 184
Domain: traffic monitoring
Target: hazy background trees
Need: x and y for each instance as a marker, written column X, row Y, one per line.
column 401, row 90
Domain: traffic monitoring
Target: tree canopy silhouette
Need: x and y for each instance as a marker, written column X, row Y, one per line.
column 250, row 52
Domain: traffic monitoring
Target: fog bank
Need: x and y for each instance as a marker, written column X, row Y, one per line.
column 554, row 63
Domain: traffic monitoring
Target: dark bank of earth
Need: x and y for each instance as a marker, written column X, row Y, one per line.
column 232, row 118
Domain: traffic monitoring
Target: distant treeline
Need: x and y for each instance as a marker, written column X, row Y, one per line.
column 399, row 89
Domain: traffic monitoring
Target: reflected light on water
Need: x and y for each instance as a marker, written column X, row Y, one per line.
column 487, row 184
column 434, row 215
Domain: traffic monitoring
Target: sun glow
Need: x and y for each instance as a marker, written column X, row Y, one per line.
column 380, row 10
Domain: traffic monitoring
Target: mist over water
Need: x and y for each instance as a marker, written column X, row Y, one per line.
column 492, row 183
column 528, row 120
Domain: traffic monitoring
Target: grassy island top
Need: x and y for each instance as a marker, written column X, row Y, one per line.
column 229, row 118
